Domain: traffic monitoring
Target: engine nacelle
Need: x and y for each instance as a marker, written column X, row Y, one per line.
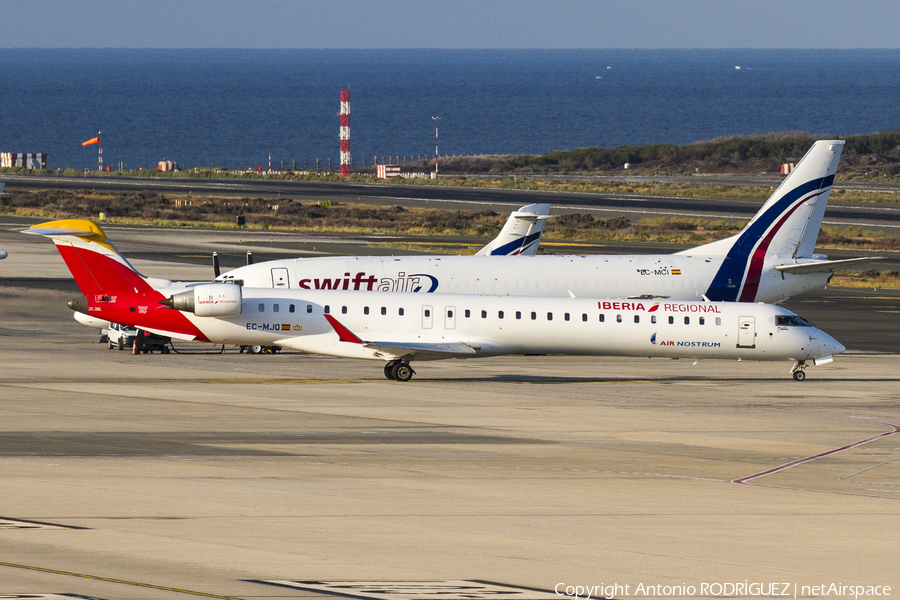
column 209, row 300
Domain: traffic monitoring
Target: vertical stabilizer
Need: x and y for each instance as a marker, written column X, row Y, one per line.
column 521, row 235
column 96, row 265
column 786, row 226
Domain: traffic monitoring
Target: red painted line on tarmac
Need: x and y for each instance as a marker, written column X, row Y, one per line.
column 746, row 480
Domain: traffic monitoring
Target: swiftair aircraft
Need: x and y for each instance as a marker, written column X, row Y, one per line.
column 401, row 327
column 770, row 260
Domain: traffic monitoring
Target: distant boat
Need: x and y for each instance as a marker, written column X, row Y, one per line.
column 738, row 68
column 599, row 76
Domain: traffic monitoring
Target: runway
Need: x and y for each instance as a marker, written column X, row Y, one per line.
column 297, row 476
column 873, row 216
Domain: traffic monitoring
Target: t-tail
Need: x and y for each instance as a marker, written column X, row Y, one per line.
column 521, row 235
column 785, row 227
column 96, row 265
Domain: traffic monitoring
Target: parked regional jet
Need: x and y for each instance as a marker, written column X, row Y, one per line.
column 398, row 328
column 770, row 260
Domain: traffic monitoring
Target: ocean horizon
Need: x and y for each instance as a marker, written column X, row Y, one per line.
column 232, row 107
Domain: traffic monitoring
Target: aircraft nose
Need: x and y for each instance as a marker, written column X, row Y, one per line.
column 827, row 344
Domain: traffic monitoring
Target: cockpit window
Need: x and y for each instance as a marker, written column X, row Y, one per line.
column 792, row 321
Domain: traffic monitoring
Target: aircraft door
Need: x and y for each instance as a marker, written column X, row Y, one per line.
column 747, row 332
column 449, row 317
column 427, row 317
column 280, row 278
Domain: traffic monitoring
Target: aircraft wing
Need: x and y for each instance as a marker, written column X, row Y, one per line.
column 422, row 351
column 412, row 349
column 824, row 266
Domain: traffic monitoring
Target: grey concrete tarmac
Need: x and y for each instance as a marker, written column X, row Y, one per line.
column 205, row 472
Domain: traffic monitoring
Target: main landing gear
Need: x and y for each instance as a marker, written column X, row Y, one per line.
column 797, row 371
column 398, row 370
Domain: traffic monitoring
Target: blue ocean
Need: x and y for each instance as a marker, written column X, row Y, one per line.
column 233, row 107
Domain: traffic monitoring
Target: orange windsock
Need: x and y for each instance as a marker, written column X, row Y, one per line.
column 95, row 140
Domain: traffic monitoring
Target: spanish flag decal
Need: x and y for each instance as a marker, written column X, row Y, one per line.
column 676, row 271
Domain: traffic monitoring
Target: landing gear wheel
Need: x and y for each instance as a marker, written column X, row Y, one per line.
column 388, row 369
column 797, row 371
column 256, row 349
column 402, row 371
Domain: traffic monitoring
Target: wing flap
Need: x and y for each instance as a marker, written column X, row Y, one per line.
column 422, row 351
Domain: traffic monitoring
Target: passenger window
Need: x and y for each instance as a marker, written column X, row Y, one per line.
column 584, row 317
column 500, row 315
column 327, row 309
column 518, row 314
column 567, row 317
column 637, row 318
column 549, row 316
column 702, row 320
column 291, row 308
column 602, row 317
column 468, row 313
column 484, row 314
column 384, row 310
column 718, row 320
column 533, row 316
column 309, row 308
column 449, row 314
column 365, row 310
column 671, row 320
column 343, row 310
column 401, row 312
column 653, row 319
column 427, row 312
column 275, row 307
column 618, row 318
column 687, row 320
column 262, row 307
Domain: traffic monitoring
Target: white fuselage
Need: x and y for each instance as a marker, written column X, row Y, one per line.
column 674, row 276
column 416, row 326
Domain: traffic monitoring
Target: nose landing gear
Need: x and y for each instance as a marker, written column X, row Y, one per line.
column 398, row 370
column 797, row 371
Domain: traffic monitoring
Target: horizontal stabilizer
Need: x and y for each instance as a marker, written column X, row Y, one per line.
column 824, row 266
column 55, row 231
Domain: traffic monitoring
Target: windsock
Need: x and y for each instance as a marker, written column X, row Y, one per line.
column 95, row 140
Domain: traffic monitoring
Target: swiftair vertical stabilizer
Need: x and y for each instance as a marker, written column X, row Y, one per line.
column 785, row 227
column 521, row 235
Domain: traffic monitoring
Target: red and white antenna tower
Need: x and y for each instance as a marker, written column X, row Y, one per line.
column 346, row 159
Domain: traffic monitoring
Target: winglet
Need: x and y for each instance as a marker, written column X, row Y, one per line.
column 344, row 334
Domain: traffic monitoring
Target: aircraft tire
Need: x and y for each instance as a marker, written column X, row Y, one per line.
column 256, row 349
column 402, row 372
column 799, row 375
column 389, row 368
